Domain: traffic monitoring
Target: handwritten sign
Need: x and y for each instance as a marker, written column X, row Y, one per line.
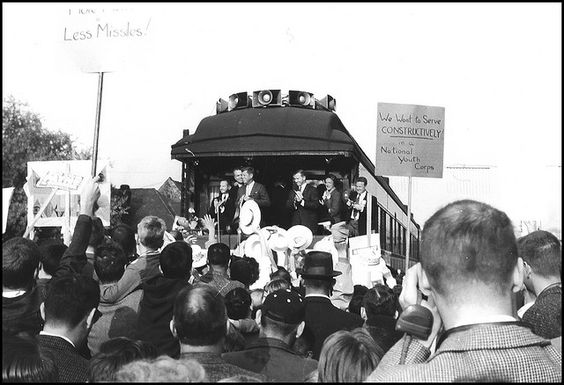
column 69, row 177
column 365, row 258
column 60, row 180
column 410, row 140
column 104, row 39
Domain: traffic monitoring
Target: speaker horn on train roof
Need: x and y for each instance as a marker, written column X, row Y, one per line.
column 328, row 103
column 264, row 98
column 239, row 100
column 301, row 99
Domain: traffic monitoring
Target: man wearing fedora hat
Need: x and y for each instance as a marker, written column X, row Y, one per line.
column 322, row 317
column 282, row 321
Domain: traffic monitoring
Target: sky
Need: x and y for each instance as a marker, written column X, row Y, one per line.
column 495, row 68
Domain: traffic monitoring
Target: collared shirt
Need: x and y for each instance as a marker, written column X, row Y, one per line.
column 317, row 295
column 57, row 335
column 327, row 194
column 478, row 319
column 359, row 199
column 249, row 188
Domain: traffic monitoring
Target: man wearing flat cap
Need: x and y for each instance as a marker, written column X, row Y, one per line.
column 282, row 321
column 322, row 318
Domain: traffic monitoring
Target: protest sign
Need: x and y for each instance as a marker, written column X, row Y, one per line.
column 365, row 258
column 56, row 186
column 410, row 140
column 104, row 38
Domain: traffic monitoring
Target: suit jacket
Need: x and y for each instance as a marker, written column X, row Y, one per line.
column 502, row 352
column 226, row 211
column 258, row 193
column 323, row 319
column 307, row 214
column 72, row 367
column 273, row 358
column 334, row 206
column 545, row 315
column 363, row 213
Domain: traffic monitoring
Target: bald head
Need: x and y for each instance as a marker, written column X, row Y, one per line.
column 199, row 316
column 468, row 244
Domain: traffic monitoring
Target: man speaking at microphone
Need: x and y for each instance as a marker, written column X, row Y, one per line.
column 303, row 203
column 224, row 206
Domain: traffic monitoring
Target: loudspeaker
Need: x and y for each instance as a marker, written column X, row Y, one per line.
column 239, row 100
column 301, row 99
column 221, row 106
column 328, row 102
column 265, row 98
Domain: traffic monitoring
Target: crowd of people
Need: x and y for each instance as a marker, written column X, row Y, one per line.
column 138, row 306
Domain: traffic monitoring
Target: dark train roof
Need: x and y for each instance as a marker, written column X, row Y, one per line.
column 269, row 131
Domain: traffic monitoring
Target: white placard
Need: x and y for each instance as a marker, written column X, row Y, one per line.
column 410, row 140
column 104, row 38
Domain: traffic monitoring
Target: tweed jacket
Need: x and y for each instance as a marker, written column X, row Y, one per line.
column 216, row 368
column 273, row 358
column 323, row 319
column 72, row 367
column 502, row 352
column 545, row 315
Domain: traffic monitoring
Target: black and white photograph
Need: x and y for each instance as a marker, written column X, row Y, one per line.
column 281, row 192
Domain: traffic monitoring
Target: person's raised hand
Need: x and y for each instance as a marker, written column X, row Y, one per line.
column 89, row 196
column 208, row 222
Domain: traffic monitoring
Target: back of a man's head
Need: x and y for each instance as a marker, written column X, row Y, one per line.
column 238, row 303
column 379, row 301
column 151, row 231
column 125, row 236
column 468, row 244
column 52, row 251
column 70, row 299
column 219, row 254
column 116, row 353
column 176, row 260
column 199, row 316
column 543, row 252
column 245, row 270
column 20, row 260
column 109, row 262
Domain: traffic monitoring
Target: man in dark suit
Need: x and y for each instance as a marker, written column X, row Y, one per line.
column 322, row 318
column 303, row 203
column 224, row 205
column 357, row 205
column 542, row 256
column 251, row 190
column 468, row 271
column 69, row 310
